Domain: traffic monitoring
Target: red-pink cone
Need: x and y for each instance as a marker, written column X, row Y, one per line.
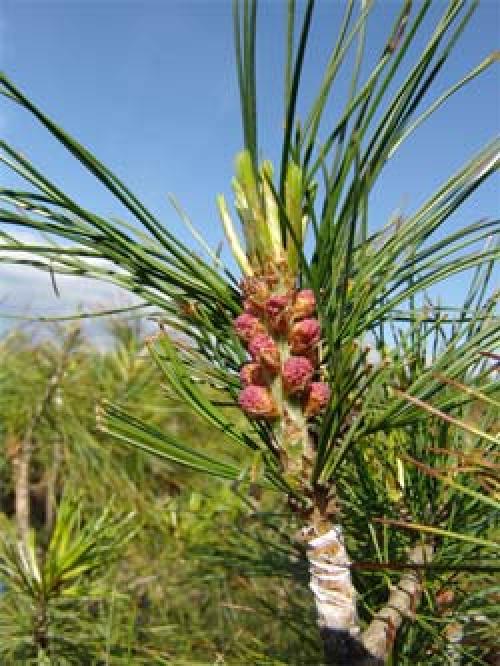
column 256, row 401
column 304, row 335
column 263, row 349
column 277, row 312
column 317, row 399
column 252, row 373
column 297, row 373
column 247, row 327
column 304, row 305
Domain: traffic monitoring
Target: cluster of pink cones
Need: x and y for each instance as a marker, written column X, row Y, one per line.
column 281, row 334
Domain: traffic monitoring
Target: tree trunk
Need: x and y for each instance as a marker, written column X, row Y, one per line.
column 22, row 487
column 335, row 597
column 22, row 462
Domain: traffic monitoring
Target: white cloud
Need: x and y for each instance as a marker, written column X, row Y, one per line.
column 22, row 286
column 28, row 292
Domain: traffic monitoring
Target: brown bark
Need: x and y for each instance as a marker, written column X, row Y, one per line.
column 22, row 487
column 403, row 602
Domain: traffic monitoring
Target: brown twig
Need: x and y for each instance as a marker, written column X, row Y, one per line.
column 403, row 601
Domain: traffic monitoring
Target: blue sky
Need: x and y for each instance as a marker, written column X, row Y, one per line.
column 150, row 88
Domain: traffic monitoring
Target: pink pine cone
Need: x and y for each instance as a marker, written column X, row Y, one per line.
column 256, row 401
column 297, row 374
column 317, row 399
column 305, row 304
column 247, row 326
column 304, row 335
column 263, row 350
column 277, row 311
column 252, row 373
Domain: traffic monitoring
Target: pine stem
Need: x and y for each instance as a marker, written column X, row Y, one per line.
column 41, row 632
column 403, row 601
column 454, row 636
column 335, row 598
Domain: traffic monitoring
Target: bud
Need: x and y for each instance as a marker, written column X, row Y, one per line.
column 256, row 291
column 263, row 349
column 304, row 335
column 251, row 308
column 256, row 401
column 277, row 312
column 445, row 597
column 305, row 304
column 317, row 399
column 189, row 309
column 247, row 326
column 297, row 374
column 252, row 373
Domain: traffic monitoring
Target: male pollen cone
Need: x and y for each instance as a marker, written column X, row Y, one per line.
column 297, row 373
column 317, row 398
column 304, row 305
column 252, row 373
column 304, row 335
column 277, row 312
column 247, row 326
column 263, row 350
column 257, row 401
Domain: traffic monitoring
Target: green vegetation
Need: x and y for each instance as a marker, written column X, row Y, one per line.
column 164, row 573
column 179, row 569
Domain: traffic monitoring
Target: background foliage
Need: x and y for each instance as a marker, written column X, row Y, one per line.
column 157, row 587
column 198, row 573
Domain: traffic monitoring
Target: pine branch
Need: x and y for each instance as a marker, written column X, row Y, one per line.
column 402, row 604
